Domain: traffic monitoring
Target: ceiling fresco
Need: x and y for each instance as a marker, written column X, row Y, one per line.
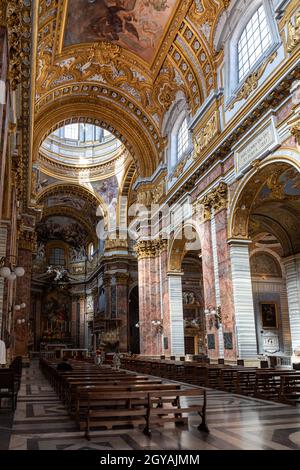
column 62, row 228
column 137, row 25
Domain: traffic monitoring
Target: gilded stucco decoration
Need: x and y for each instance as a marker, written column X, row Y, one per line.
column 216, row 199
column 150, row 248
column 293, row 39
column 251, row 82
column 206, row 135
column 16, row 16
column 96, row 62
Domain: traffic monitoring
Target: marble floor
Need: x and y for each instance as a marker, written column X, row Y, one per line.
column 236, row 423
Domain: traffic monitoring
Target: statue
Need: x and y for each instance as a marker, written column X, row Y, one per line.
column 116, row 361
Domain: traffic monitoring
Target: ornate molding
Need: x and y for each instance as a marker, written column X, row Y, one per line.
column 117, row 244
column 251, row 82
column 27, row 239
column 152, row 194
column 150, row 248
column 206, row 135
column 179, row 168
column 293, row 37
column 14, row 21
column 295, row 130
column 217, row 199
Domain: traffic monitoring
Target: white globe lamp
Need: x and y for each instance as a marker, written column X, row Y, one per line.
column 5, row 271
column 19, row 271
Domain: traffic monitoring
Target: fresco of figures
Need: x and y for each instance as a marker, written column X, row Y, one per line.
column 137, row 25
column 62, row 228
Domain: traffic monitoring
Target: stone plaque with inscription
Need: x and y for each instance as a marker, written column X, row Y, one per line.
column 263, row 141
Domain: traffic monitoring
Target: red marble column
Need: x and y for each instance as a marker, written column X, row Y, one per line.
column 23, row 295
column 149, row 300
column 74, row 321
column 83, row 322
column 209, row 282
column 107, row 290
column 225, row 281
column 163, row 260
column 122, row 309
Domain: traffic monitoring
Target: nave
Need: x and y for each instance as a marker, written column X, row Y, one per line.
column 41, row 422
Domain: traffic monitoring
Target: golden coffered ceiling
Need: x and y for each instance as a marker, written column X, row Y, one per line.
column 102, row 61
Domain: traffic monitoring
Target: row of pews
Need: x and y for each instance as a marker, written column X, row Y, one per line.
column 101, row 397
column 279, row 385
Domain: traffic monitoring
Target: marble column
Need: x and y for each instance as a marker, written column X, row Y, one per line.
column 225, row 283
column 107, row 289
column 165, row 304
column 74, row 322
column 176, row 313
column 149, row 297
column 292, row 269
column 83, row 322
column 209, row 288
column 215, row 257
column 23, row 295
column 243, row 299
column 122, row 309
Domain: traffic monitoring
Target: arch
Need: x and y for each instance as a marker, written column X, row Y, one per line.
column 180, row 245
column 69, row 212
column 274, row 263
column 242, row 204
column 83, row 192
column 120, row 123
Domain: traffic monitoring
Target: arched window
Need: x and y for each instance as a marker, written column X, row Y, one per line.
column 249, row 35
column 57, row 257
column 182, row 139
column 90, row 250
column 254, row 41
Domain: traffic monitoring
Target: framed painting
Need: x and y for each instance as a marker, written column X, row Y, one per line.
column 269, row 314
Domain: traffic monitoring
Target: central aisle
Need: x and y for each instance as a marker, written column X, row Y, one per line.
column 41, row 423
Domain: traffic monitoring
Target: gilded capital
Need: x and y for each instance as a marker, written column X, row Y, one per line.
column 147, row 248
column 217, row 200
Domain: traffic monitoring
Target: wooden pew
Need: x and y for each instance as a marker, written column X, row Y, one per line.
column 268, row 383
column 75, row 388
column 290, row 388
column 144, row 407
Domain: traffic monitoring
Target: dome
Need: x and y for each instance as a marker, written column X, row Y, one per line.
column 80, row 144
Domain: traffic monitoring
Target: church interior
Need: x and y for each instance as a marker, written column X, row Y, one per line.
column 149, row 224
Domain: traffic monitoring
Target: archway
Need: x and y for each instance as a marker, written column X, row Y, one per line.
column 193, row 305
column 133, row 321
column 264, row 233
column 185, row 291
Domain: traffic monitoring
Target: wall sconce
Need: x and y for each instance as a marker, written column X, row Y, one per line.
column 216, row 318
column 137, row 325
column 21, row 321
column 158, row 325
column 8, row 271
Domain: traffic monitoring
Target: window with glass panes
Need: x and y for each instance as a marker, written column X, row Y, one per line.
column 254, row 41
column 57, row 257
column 71, row 131
column 182, row 139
